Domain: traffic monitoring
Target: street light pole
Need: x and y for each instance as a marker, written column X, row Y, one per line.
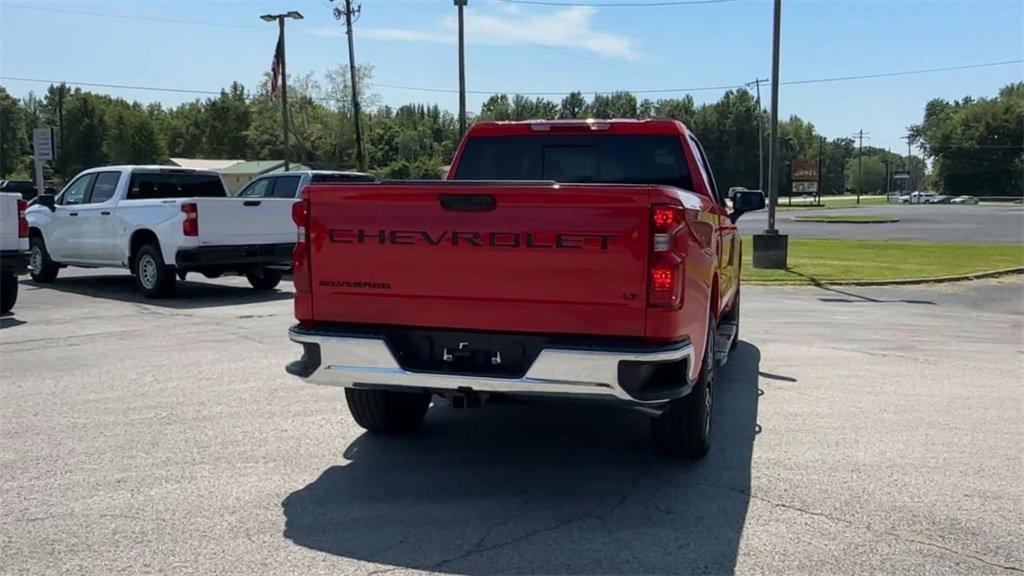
column 773, row 163
column 771, row 249
column 462, row 68
column 294, row 15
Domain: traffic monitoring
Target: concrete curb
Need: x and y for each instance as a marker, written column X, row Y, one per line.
column 835, row 220
column 899, row 281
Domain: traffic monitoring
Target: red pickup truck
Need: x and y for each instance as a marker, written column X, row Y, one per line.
column 560, row 258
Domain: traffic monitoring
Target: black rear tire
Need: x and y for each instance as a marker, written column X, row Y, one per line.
column 684, row 429
column 43, row 270
column 387, row 412
column 8, row 291
column 153, row 277
column 263, row 278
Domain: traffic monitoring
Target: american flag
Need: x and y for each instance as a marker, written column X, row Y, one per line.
column 275, row 67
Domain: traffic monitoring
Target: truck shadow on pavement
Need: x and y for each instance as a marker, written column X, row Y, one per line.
column 539, row 488
column 190, row 295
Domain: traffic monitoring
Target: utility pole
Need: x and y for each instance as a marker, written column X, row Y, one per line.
column 351, row 14
column 910, row 166
column 60, row 126
column 888, row 153
column 771, row 249
column 279, row 60
column 462, row 68
column 821, row 174
column 760, row 133
column 860, row 157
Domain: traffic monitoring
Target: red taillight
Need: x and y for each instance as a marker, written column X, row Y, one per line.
column 190, row 226
column 22, row 221
column 666, row 258
column 301, row 272
column 299, row 216
column 666, row 218
column 662, row 279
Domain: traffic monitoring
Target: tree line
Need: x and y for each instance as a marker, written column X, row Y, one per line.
column 416, row 140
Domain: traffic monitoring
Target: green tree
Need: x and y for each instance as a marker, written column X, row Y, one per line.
column 15, row 151
column 977, row 145
column 573, row 106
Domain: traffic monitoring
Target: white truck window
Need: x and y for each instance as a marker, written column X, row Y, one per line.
column 104, row 186
column 286, row 186
column 76, row 192
column 257, row 189
column 159, row 185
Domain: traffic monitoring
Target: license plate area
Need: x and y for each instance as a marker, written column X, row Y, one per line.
column 465, row 353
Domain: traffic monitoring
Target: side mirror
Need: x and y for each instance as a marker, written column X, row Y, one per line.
column 745, row 201
column 48, row 200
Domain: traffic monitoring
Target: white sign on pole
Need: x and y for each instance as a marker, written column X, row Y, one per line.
column 42, row 143
column 804, row 187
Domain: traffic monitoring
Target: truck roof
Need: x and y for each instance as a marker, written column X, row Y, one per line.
column 655, row 126
column 148, row 167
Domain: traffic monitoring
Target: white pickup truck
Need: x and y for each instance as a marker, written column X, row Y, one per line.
column 13, row 248
column 161, row 223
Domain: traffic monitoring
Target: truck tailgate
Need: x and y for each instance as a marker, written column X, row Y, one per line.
column 234, row 221
column 522, row 257
column 9, row 221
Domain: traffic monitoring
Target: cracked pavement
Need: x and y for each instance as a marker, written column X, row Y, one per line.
column 858, row 430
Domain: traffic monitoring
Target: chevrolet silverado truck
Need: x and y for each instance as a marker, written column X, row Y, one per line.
column 573, row 259
column 13, row 247
column 161, row 223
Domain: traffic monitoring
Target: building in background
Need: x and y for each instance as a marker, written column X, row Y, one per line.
column 203, row 163
column 238, row 175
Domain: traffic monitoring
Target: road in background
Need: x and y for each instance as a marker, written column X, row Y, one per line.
column 989, row 224
column 856, row 430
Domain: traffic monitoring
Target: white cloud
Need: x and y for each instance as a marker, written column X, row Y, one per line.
column 570, row 27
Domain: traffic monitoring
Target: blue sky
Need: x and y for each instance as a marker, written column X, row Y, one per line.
column 534, row 48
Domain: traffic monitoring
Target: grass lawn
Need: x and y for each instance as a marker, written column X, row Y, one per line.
column 812, row 260
column 830, row 202
column 848, row 219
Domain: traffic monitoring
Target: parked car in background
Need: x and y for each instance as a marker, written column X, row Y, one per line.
column 917, row 197
column 289, row 184
column 160, row 223
column 971, row 200
column 25, row 188
column 13, row 247
column 573, row 259
column 938, row 199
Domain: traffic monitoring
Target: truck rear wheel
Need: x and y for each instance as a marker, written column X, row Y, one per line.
column 43, row 269
column 684, row 429
column 8, row 291
column 263, row 278
column 386, row 411
column 153, row 278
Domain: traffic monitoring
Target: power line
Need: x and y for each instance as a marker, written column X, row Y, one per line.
column 705, row 88
column 100, row 85
column 555, row 93
column 903, row 73
column 617, row 4
column 128, row 17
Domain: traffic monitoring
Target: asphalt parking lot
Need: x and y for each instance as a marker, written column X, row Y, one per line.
column 858, row 430
column 982, row 224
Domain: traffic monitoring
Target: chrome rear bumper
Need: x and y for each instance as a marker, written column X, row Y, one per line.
column 368, row 362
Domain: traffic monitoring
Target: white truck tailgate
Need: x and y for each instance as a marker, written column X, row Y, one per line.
column 234, row 221
column 9, row 221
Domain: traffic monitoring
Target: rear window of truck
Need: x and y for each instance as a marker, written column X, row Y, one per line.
column 149, row 186
column 577, row 159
